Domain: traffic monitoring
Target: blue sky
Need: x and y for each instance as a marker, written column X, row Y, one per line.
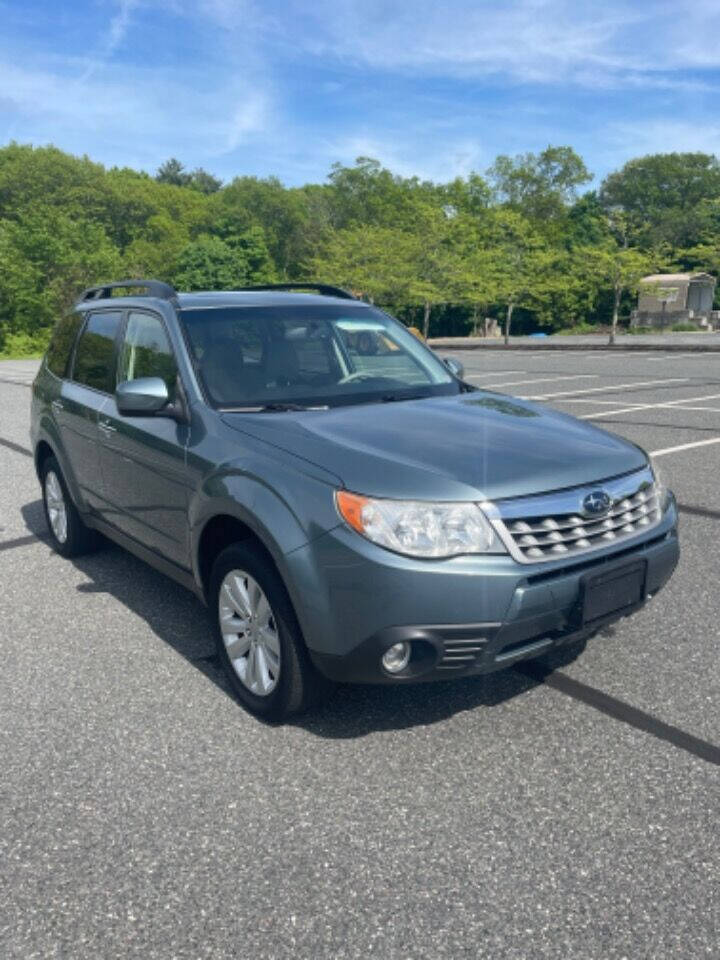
column 429, row 88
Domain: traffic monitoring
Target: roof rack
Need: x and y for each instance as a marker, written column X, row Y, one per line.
column 322, row 288
column 154, row 288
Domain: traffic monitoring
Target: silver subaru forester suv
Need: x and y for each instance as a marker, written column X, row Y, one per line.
column 348, row 507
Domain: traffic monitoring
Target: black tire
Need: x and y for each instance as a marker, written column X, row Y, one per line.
column 299, row 686
column 79, row 538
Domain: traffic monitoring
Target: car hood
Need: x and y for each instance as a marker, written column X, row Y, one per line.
column 480, row 445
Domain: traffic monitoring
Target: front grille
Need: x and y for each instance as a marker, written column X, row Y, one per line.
column 536, row 535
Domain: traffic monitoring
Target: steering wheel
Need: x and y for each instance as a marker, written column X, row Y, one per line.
column 359, row 375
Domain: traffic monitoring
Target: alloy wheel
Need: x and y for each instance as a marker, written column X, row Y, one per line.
column 250, row 633
column 56, row 506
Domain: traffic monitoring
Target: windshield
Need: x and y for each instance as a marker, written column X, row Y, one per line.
column 313, row 355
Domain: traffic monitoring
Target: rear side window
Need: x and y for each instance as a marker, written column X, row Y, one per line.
column 61, row 344
column 95, row 351
column 146, row 351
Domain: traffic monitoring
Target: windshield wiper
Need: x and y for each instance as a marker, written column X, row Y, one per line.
column 279, row 407
column 394, row 397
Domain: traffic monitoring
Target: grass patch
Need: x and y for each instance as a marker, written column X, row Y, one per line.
column 20, row 346
column 580, row 328
column 663, row 331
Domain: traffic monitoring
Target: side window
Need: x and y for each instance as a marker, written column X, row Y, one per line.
column 61, row 344
column 146, row 351
column 95, row 349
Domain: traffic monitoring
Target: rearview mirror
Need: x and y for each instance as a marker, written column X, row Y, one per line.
column 454, row 366
column 142, row 397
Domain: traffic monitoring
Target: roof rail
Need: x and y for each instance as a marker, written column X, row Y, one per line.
column 155, row 288
column 322, row 288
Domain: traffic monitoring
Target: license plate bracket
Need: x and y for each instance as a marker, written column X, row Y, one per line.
column 612, row 592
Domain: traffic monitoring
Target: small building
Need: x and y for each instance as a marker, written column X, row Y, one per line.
column 668, row 298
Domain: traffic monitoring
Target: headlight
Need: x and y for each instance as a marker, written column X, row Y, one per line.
column 418, row 528
column 663, row 492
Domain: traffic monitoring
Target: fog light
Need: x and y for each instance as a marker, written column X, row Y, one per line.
column 397, row 657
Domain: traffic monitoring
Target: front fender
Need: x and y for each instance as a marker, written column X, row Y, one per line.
column 286, row 516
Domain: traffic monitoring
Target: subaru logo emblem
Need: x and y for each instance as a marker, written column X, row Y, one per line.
column 596, row 503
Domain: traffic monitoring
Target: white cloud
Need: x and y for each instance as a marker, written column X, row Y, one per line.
column 251, row 116
column 434, row 90
column 119, row 23
column 136, row 119
column 117, row 30
column 409, row 155
column 663, row 136
column 529, row 41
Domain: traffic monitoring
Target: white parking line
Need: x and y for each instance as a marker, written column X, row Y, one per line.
column 670, row 356
column 684, row 446
column 498, row 373
column 594, row 401
column 517, row 383
column 705, row 409
column 668, row 405
column 616, row 386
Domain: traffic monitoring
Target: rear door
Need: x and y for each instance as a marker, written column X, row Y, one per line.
column 143, row 458
column 82, row 397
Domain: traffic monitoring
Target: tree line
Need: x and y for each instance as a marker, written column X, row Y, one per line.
column 525, row 243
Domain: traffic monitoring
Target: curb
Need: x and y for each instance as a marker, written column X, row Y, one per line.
column 615, row 348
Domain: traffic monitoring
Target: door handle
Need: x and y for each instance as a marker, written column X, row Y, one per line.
column 106, row 427
column 57, row 405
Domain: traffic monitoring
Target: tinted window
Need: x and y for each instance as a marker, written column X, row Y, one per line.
column 146, row 351
column 94, row 353
column 63, row 338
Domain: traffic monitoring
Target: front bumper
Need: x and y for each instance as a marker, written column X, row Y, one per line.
column 463, row 616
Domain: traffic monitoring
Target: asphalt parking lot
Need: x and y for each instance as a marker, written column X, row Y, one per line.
column 560, row 814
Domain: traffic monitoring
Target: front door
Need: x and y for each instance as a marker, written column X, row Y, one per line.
column 143, row 458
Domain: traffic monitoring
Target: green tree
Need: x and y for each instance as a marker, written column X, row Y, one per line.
column 281, row 213
column 46, row 259
column 469, row 195
column 662, row 181
column 210, row 263
column 664, row 196
column 522, row 263
column 435, row 261
column 520, row 244
column 45, row 175
column 542, row 185
column 368, row 193
column 251, row 249
column 204, row 182
column 621, row 268
column 151, row 222
column 173, row 173
column 374, row 262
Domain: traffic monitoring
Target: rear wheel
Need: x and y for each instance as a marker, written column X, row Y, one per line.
column 259, row 641
column 69, row 535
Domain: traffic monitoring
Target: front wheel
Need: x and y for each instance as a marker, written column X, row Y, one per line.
column 259, row 641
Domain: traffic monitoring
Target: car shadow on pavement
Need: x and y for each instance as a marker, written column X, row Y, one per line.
column 178, row 618
column 355, row 711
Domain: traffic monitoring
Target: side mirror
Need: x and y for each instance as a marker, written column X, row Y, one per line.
column 454, row 366
column 142, row 397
